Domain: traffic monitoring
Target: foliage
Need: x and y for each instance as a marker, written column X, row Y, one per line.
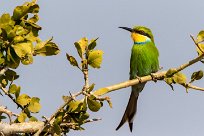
column 19, row 43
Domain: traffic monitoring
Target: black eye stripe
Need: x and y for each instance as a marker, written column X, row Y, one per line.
column 142, row 33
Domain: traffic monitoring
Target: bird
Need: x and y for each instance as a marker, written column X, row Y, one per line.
column 144, row 61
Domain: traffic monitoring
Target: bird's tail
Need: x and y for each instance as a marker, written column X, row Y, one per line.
column 131, row 107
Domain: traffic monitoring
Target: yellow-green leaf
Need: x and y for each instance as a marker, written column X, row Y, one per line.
column 33, row 119
column 28, row 59
column 22, row 117
column 34, row 105
column 101, row 91
column 75, row 106
column 19, row 12
column 72, row 60
column 23, row 99
column 46, row 48
column 95, row 58
column 91, row 88
column 81, row 46
column 23, row 49
column 92, row 44
column 179, row 78
column 13, row 89
column 93, row 105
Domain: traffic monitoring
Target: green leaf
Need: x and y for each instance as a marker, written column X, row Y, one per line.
column 2, row 117
column 72, row 60
column 20, row 11
column 22, row 117
column 11, row 75
column 23, row 99
column 91, row 88
column 18, row 39
column 75, row 106
column 19, row 30
column 81, row 46
column 56, row 129
column 34, row 8
column 46, row 48
column 33, row 119
column 5, row 19
column 23, row 49
column 12, row 59
column 59, row 118
column 2, row 58
column 83, row 116
column 93, row 105
column 34, row 19
column 179, row 78
column 200, row 36
column 95, row 58
column 3, row 81
column 28, row 59
column 196, row 75
column 92, row 45
column 13, row 89
column 34, row 105
column 25, row 52
column 31, row 37
column 84, row 108
column 101, row 91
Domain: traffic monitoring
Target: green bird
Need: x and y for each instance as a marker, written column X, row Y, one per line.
column 144, row 61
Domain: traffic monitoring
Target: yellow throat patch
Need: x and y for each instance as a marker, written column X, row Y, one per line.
column 139, row 38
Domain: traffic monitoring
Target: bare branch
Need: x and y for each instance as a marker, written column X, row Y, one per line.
column 26, row 127
column 194, row 87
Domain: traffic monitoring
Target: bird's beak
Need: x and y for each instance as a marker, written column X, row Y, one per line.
column 126, row 28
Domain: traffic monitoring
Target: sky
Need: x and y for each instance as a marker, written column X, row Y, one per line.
column 161, row 111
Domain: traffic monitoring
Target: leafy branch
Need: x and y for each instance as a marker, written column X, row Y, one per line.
column 20, row 43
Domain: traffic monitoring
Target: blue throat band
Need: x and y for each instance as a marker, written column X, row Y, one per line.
column 139, row 43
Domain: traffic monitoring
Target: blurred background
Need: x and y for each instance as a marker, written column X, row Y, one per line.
column 161, row 111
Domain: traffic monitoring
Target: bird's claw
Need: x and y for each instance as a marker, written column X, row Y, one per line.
column 139, row 78
column 154, row 77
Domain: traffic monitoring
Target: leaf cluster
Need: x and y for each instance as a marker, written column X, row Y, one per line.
column 19, row 43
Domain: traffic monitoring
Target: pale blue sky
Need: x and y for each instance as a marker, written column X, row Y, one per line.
column 161, row 112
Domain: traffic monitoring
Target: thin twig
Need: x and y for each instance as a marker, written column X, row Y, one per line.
column 10, row 96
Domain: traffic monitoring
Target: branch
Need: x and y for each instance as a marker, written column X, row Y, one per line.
column 158, row 76
column 194, row 87
column 15, row 128
column 10, row 96
column 7, row 112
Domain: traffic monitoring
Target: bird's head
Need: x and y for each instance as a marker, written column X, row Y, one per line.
column 140, row 34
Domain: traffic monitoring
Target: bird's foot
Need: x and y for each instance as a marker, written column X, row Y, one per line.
column 160, row 68
column 154, row 77
column 139, row 78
